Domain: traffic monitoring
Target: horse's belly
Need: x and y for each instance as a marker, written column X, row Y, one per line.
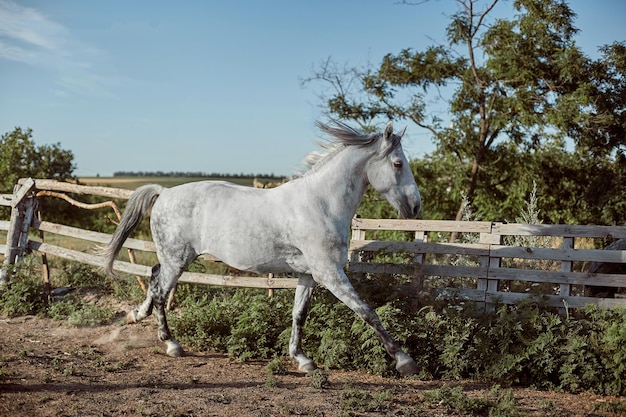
column 261, row 257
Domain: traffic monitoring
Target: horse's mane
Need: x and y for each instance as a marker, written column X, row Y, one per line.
column 339, row 136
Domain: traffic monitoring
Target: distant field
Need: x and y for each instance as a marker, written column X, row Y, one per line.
column 130, row 183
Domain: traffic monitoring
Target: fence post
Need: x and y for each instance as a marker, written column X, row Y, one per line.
column 489, row 285
column 17, row 236
column 566, row 266
column 357, row 234
column 417, row 283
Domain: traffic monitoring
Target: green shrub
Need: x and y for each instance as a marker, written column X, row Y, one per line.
column 455, row 399
column 257, row 328
column 24, row 293
column 90, row 315
column 79, row 275
column 204, row 323
column 276, row 367
column 523, row 344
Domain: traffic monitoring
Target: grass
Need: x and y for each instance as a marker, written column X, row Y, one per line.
column 495, row 403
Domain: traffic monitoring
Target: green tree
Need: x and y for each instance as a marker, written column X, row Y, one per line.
column 21, row 158
column 515, row 89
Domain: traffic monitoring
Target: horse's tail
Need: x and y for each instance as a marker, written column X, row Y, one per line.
column 138, row 204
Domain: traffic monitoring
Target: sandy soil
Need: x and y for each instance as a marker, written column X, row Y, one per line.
column 51, row 369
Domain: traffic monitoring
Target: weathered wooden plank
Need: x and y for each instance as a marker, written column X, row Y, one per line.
column 238, row 281
column 21, row 193
column 88, row 258
column 557, row 301
column 384, row 268
column 92, row 236
column 29, row 209
column 559, row 254
column 421, row 225
column 419, row 247
column 5, row 200
column 463, row 294
column 13, row 236
column 557, row 277
column 417, row 269
column 560, row 230
column 53, row 185
column 145, row 271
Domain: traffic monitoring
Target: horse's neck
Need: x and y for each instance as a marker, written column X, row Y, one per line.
column 341, row 181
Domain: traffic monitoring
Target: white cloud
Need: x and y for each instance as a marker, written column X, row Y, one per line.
column 26, row 34
column 30, row 37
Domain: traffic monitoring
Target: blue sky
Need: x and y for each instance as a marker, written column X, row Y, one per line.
column 205, row 85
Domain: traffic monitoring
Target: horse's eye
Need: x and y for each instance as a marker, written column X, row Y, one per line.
column 397, row 164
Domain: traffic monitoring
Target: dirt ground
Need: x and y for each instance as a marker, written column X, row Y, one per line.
column 51, row 369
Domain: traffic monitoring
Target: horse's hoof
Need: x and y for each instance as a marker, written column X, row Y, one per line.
column 174, row 350
column 408, row 368
column 307, row 367
column 131, row 317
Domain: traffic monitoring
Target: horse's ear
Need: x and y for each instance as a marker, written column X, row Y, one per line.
column 402, row 132
column 388, row 132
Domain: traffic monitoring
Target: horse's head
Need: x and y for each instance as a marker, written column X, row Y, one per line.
column 389, row 173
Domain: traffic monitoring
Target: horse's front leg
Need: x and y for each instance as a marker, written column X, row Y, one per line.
column 302, row 300
column 336, row 281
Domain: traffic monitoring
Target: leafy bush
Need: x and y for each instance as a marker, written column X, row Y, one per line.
column 523, row 344
column 520, row 344
column 246, row 323
column 90, row 315
column 80, row 314
column 25, row 292
column 258, row 327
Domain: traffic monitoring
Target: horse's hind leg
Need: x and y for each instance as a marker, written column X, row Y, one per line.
column 145, row 309
column 174, row 349
column 161, row 284
column 302, row 300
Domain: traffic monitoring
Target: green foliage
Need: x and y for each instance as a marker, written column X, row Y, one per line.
column 523, row 344
column 258, row 327
column 357, row 400
column 21, row 158
column 79, row 313
column 25, row 293
column 245, row 323
column 319, row 378
column 276, row 366
column 75, row 274
column 516, row 88
column 455, row 399
column 90, row 315
column 495, row 403
column 205, row 322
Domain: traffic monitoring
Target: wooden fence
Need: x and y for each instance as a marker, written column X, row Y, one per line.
column 489, row 262
column 493, row 262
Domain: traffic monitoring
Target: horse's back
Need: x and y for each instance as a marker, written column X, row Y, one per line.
column 245, row 227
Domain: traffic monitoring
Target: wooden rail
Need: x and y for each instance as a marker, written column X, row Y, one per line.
column 479, row 266
column 489, row 265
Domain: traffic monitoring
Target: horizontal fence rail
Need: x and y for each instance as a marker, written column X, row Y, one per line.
column 487, row 263
column 482, row 266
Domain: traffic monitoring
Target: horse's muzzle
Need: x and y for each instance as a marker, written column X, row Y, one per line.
column 410, row 211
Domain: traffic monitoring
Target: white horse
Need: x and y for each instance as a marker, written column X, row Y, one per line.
column 299, row 227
